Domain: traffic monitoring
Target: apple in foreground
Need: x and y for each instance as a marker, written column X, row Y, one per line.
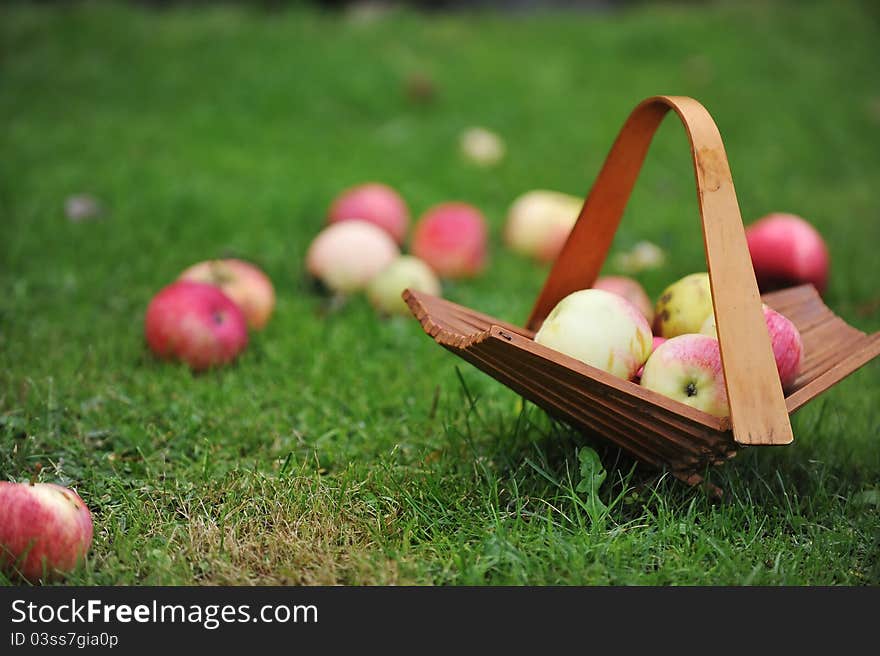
column 375, row 203
column 786, row 251
column 687, row 368
column 599, row 328
column 241, row 281
column 196, row 323
column 347, row 255
column 683, row 306
column 45, row 530
column 451, row 239
column 785, row 339
column 630, row 289
column 406, row 272
column 539, row 222
column 655, row 343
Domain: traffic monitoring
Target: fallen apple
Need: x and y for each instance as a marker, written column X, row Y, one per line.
column 683, row 306
column 687, row 368
column 481, row 146
column 630, row 289
column 346, row 256
column 407, row 271
column 196, row 323
column 45, row 530
column 602, row 329
column 539, row 221
column 787, row 251
column 375, row 203
column 785, row 340
column 451, row 239
column 241, row 281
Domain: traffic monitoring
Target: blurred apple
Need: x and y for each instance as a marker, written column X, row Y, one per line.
column 375, row 203
column 451, row 239
column 241, row 281
column 482, row 146
column 346, row 256
column 630, row 289
column 196, row 323
column 45, row 530
column 687, row 368
column 599, row 328
column 683, row 306
column 539, row 222
column 785, row 339
column 406, row 272
column 787, row 251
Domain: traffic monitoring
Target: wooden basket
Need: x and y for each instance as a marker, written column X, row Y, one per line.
column 655, row 429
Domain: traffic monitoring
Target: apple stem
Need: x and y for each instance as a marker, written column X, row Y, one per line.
column 37, row 469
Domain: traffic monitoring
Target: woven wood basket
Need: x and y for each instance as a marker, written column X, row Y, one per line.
column 655, row 429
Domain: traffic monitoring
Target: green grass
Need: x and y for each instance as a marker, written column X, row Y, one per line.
column 342, row 448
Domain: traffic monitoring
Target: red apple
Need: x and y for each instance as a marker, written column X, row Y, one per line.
column 346, row 256
column 630, row 289
column 241, row 281
column 787, row 251
column 451, row 238
column 785, row 339
column 45, row 530
column 687, row 368
column 375, row 203
column 196, row 323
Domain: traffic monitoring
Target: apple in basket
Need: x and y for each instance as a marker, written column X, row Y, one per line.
column 785, row 339
column 787, row 251
column 241, row 281
column 602, row 329
column 375, row 203
column 630, row 289
column 45, row 530
column 687, row 368
column 683, row 306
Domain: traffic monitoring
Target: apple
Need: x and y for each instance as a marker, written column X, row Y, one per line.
column 45, row 530
column 451, row 239
column 655, row 342
column 385, row 290
column 683, row 306
column 375, row 203
column 482, row 147
column 347, row 255
column 785, row 339
column 787, row 251
column 241, row 281
column 196, row 323
column 630, row 289
column 539, row 222
column 687, row 368
column 599, row 328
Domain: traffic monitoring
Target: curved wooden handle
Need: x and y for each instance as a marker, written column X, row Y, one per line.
column 757, row 405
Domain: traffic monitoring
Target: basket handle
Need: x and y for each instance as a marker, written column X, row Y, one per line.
column 757, row 405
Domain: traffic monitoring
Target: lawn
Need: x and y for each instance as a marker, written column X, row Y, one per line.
column 343, row 448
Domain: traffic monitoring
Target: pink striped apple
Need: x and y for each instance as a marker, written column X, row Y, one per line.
column 687, row 368
column 375, row 203
column 45, row 530
column 787, row 250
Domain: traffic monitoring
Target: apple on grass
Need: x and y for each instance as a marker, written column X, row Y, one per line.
column 785, row 340
column 683, row 306
column 406, row 272
column 347, row 255
column 687, row 368
column 241, row 281
column 375, row 203
column 602, row 329
column 451, row 239
column 786, row 251
column 45, row 530
column 196, row 323
column 539, row 222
